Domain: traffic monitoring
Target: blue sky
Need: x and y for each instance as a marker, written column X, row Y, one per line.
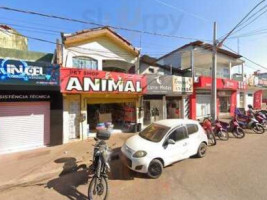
column 188, row 18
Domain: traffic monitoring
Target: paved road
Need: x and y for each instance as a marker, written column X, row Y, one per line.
column 236, row 169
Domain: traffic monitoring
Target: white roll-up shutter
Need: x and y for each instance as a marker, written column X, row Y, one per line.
column 250, row 99
column 203, row 105
column 24, row 125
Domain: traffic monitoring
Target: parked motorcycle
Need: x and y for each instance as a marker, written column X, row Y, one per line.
column 262, row 119
column 207, row 126
column 264, row 112
column 221, row 133
column 98, row 187
column 251, row 123
column 234, row 128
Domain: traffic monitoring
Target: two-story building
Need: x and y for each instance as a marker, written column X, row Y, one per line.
column 30, row 99
column 166, row 92
column 197, row 56
column 95, row 81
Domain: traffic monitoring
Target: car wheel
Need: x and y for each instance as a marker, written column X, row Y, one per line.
column 155, row 169
column 202, row 150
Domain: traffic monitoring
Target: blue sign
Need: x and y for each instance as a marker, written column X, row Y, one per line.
column 19, row 72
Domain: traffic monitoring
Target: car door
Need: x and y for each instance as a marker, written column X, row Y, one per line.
column 179, row 150
column 194, row 137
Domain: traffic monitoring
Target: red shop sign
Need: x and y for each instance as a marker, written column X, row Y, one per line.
column 206, row 82
column 257, row 99
column 227, row 84
column 93, row 81
column 242, row 85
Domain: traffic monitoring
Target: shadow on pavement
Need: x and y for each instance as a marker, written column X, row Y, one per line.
column 118, row 170
column 74, row 175
column 70, row 165
column 70, row 178
column 67, row 184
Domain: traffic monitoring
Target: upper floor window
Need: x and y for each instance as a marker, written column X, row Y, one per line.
column 84, row 63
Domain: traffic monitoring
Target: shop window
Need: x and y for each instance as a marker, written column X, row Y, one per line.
column 178, row 134
column 191, row 128
column 84, row 62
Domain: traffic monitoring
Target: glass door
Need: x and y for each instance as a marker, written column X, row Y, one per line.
column 224, row 104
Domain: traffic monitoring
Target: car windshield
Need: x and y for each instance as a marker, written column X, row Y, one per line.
column 154, row 132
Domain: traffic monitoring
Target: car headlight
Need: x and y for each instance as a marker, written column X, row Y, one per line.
column 139, row 154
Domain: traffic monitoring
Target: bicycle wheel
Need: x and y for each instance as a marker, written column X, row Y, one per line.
column 98, row 188
column 223, row 135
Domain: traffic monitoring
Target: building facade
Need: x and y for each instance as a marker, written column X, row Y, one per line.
column 11, row 39
column 30, row 100
column 167, row 91
column 96, row 84
column 197, row 57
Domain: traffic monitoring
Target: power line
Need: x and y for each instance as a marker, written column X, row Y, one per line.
column 248, row 35
column 248, row 59
column 252, row 16
column 51, row 42
column 255, row 31
column 239, row 23
column 258, row 16
column 34, row 23
column 182, row 10
column 53, row 32
column 95, row 24
column 36, row 31
column 75, row 48
column 31, row 27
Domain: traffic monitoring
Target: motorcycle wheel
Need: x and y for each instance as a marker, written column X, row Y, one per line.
column 212, row 139
column 264, row 125
column 98, row 188
column 223, row 135
column 258, row 128
column 239, row 133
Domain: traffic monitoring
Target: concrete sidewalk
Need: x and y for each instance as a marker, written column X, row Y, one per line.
column 19, row 169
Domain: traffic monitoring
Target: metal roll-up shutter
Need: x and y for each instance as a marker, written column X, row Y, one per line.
column 203, row 105
column 24, row 125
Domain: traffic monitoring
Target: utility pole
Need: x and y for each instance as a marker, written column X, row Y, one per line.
column 214, row 74
column 239, row 70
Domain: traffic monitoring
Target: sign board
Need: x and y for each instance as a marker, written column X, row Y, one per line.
column 159, row 84
column 206, row 83
column 242, row 85
column 19, row 72
column 177, row 84
column 257, row 99
column 166, row 84
column 188, row 85
column 262, row 82
column 182, row 84
column 24, row 97
column 93, row 81
column 227, row 84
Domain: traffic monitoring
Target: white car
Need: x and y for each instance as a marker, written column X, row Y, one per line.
column 163, row 143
